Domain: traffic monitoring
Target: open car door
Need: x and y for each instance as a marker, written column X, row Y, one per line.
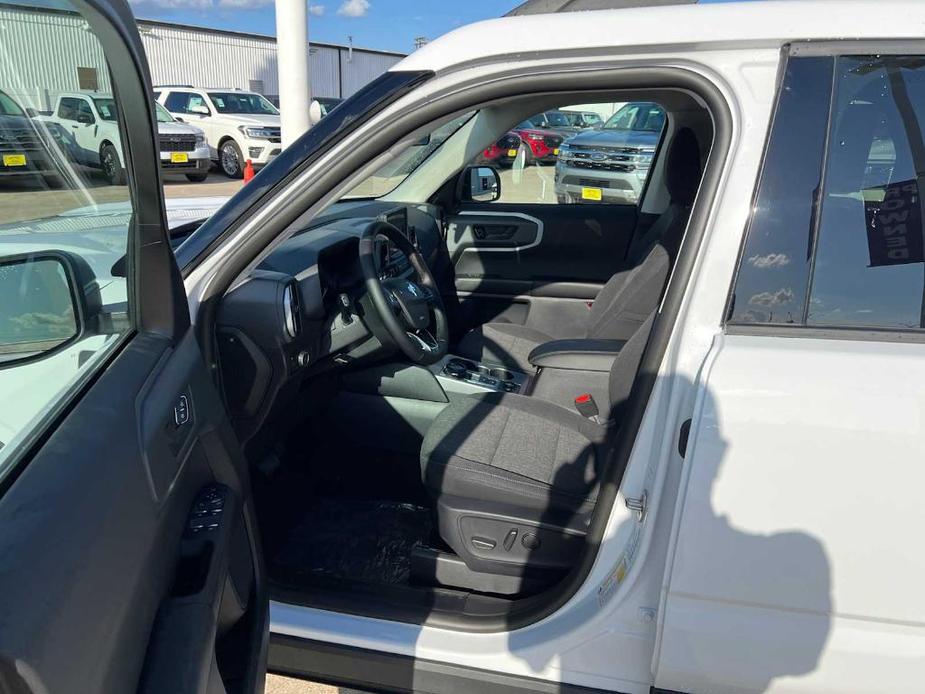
column 130, row 557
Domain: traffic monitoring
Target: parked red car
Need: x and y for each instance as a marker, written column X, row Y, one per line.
column 542, row 145
column 503, row 152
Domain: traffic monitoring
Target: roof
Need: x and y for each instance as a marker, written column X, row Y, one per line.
column 550, row 6
column 154, row 23
column 772, row 22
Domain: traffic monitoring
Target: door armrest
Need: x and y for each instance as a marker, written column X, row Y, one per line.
column 580, row 355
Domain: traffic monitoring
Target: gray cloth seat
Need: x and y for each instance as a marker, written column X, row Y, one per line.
column 532, row 462
column 628, row 296
column 514, row 450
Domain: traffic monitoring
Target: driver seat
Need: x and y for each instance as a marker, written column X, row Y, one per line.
column 516, row 478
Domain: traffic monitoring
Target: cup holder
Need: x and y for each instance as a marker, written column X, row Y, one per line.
column 501, row 374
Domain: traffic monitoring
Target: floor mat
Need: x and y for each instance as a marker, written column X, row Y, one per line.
column 356, row 539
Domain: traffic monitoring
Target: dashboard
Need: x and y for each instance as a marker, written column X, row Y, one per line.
column 304, row 310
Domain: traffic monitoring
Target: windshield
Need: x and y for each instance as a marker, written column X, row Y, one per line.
column 242, row 102
column 639, row 117
column 163, row 116
column 390, row 176
column 8, row 107
column 557, row 118
column 106, row 107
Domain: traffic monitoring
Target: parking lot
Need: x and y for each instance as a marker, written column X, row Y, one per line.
column 25, row 199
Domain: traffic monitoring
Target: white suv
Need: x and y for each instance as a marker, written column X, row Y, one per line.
column 240, row 125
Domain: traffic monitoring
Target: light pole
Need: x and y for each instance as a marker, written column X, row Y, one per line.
column 292, row 64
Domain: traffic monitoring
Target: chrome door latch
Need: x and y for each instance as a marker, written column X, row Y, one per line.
column 638, row 506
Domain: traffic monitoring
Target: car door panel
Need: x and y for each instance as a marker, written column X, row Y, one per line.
column 101, row 543
column 119, row 574
column 527, row 263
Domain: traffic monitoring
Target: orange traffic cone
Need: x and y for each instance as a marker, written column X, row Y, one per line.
column 248, row 170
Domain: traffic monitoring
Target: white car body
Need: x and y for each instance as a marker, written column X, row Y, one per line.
column 222, row 127
column 184, row 149
column 784, row 463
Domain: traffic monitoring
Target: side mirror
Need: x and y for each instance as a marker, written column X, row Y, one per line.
column 315, row 112
column 480, row 184
column 85, row 118
column 201, row 109
column 423, row 142
column 50, row 300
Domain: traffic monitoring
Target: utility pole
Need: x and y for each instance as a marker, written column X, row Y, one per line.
column 292, row 64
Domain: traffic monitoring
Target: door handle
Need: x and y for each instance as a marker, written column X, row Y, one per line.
column 494, row 232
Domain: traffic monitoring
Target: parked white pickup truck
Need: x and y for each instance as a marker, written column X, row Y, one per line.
column 91, row 119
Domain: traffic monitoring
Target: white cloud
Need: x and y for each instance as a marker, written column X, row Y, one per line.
column 354, row 8
column 778, row 298
column 244, row 4
column 316, row 10
column 769, row 260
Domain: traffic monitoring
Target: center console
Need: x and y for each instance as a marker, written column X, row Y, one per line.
column 464, row 376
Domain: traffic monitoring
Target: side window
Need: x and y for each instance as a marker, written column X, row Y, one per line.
column 64, row 302
column 560, row 157
column 178, row 102
column 840, row 245
column 869, row 254
column 68, row 108
column 196, row 101
column 773, row 271
column 84, row 111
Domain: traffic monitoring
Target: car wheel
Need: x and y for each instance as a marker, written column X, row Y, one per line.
column 197, row 177
column 231, row 160
column 112, row 167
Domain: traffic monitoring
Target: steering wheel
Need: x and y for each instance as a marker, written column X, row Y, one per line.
column 410, row 310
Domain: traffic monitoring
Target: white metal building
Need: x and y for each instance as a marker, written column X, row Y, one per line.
column 180, row 54
column 177, row 54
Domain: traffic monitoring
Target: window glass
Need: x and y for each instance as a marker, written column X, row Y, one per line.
column 65, row 211
column 868, row 268
column 162, row 114
column 242, row 102
column 106, row 107
column 388, row 178
column 574, row 159
column 178, row 102
column 774, row 269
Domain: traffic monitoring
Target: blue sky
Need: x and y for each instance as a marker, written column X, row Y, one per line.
column 384, row 24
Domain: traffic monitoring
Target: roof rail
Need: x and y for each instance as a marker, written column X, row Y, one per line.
column 167, row 86
column 553, row 6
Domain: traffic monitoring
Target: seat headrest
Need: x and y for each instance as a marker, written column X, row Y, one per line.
column 682, row 168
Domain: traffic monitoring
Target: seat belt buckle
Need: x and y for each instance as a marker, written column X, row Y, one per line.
column 586, row 406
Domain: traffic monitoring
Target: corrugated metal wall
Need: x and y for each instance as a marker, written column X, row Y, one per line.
column 188, row 55
column 41, row 51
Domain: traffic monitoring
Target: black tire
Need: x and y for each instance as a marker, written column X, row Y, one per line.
column 230, row 159
column 111, row 166
column 197, row 177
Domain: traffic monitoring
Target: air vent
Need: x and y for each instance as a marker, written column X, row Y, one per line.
column 291, row 309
